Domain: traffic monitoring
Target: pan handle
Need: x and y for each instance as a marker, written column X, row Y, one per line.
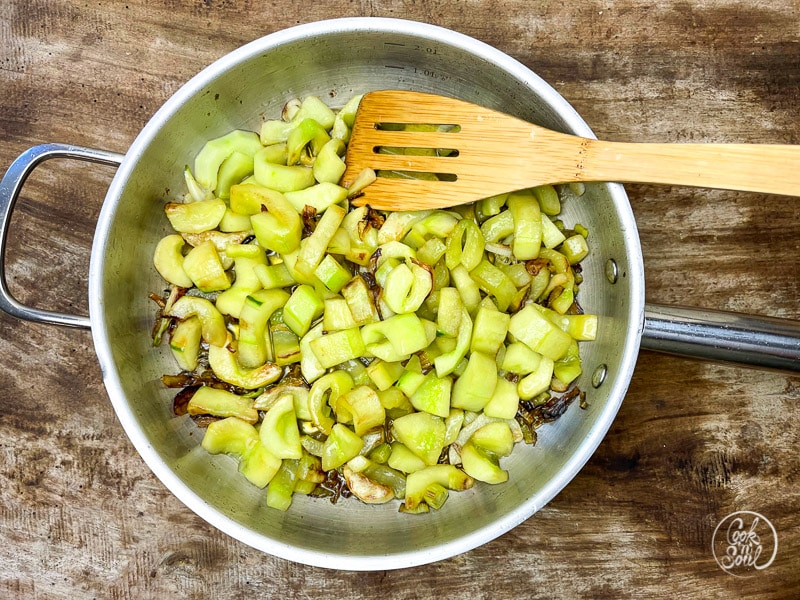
column 10, row 188
column 723, row 336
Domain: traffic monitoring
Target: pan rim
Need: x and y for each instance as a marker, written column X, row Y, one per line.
column 102, row 335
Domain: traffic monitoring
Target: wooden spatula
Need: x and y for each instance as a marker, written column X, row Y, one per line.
column 477, row 152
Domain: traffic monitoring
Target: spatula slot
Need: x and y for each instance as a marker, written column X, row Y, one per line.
column 419, row 127
column 416, row 151
column 417, row 175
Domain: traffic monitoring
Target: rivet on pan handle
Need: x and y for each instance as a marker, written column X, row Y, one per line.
column 10, row 188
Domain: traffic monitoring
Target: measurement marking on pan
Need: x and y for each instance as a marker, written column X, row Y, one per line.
column 417, row 47
column 433, row 74
column 402, row 68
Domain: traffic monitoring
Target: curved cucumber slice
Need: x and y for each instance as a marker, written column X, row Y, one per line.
column 279, row 432
column 211, row 320
column 168, row 260
column 226, row 368
column 185, row 343
column 258, row 308
column 215, row 152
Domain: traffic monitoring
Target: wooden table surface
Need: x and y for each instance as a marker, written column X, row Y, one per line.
column 693, row 441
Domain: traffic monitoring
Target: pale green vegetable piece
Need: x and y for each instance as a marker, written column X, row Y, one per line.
column 240, row 439
column 337, row 315
column 475, row 387
column 232, row 171
column 551, row 235
column 527, row 225
column 275, row 131
column 332, row 273
column 274, row 276
column 221, row 403
column 433, row 395
column 278, row 227
column 246, row 282
column 215, row 152
column 448, row 317
column 495, row 437
column 536, row 331
column 446, row 363
column 395, row 338
column 348, row 112
column 302, row 308
column 447, row 476
column 298, row 392
column 234, row 222
column 504, row 401
column 520, row 359
column 195, row 217
column 423, row 434
column 319, row 197
column 196, row 191
column 384, row 374
column 362, row 180
column 227, row 368
column 404, row 459
column 211, row 320
column 359, row 299
column 406, row 287
column 168, row 260
column 548, row 199
column 185, row 343
column 337, row 347
column 282, row 486
column 489, row 330
column 313, row 108
column 481, row 466
column 466, row 286
column 279, row 432
column 309, row 364
column 281, row 178
column 537, row 381
column 324, row 395
column 342, row 445
column 257, row 309
column 499, row 227
column 312, row 248
column 309, row 133
column 364, row 407
column 453, row 424
column 575, row 248
column 329, row 166
column 398, row 224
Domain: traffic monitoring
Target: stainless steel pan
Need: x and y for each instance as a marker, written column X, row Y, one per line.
column 336, row 59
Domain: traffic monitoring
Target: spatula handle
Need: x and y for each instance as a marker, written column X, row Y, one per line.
column 749, row 167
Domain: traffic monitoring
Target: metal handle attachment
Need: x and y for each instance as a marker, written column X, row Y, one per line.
column 723, row 336
column 10, row 188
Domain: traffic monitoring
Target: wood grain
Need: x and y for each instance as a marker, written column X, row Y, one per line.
column 82, row 517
